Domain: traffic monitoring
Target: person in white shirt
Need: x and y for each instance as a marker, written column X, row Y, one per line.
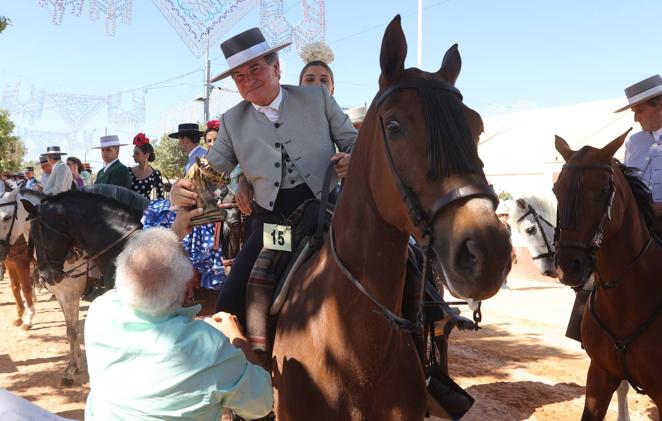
column 60, row 178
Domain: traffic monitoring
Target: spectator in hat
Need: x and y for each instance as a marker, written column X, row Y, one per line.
column 113, row 171
column 60, row 177
column 643, row 150
column 86, row 174
column 189, row 136
column 284, row 138
column 45, row 171
column 29, row 176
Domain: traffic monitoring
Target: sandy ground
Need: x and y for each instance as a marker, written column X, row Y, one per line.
column 518, row 367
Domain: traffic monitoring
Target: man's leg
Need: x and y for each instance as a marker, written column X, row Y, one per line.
column 232, row 298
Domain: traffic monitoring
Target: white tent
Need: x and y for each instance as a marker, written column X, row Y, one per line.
column 518, row 148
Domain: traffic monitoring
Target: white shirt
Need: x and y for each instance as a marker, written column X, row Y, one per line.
column 105, row 167
column 657, row 135
column 59, row 180
column 271, row 110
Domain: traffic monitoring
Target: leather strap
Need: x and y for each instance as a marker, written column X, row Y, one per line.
column 464, row 193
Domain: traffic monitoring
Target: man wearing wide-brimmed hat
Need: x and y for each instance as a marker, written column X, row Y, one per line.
column 643, row 150
column 189, row 136
column 284, row 137
column 60, row 177
column 29, row 176
column 113, row 171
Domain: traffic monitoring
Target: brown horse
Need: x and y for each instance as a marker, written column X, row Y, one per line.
column 339, row 352
column 607, row 225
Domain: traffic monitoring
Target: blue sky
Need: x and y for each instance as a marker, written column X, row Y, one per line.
column 515, row 53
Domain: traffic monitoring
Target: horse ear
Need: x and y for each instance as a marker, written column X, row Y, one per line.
column 521, row 203
column 30, row 208
column 613, row 146
column 451, row 65
column 563, row 147
column 394, row 51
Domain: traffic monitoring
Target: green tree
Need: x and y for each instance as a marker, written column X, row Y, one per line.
column 4, row 22
column 169, row 159
column 12, row 149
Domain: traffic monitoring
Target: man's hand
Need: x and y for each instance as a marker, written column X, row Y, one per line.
column 244, row 195
column 183, row 194
column 343, row 164
column 228, row 324
column 182, row 225
column 38, row 187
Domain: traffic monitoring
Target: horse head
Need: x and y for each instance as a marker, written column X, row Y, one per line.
column 588, row 213
column 538, row 232
column 51, row 244
column 425, row 176
column 12, row 221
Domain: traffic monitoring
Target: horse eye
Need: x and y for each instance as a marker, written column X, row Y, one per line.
column 531, row 230
column 393, row 126
column 6, row 218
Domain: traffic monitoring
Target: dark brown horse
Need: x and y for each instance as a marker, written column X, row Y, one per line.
column 607, row 225
column 339, row 353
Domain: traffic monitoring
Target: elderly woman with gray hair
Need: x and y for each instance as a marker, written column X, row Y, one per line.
column 150, row 359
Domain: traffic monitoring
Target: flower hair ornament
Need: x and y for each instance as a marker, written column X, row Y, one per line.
column 213, row 125
column 140, row 139
column 317, row 51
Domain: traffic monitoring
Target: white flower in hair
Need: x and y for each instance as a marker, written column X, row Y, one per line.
column 317, row 51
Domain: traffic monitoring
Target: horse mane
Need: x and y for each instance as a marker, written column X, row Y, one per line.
column 642, row 195
column 451, row 146
column 545, row 205
column 114, row 196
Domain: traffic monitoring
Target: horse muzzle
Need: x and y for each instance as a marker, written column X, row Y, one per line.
column 573, row 269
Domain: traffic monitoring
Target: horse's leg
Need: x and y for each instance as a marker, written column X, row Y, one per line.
column 16, row 291
column 27, row 289
column 68, row 293
column 622, row 394
column 600, row 386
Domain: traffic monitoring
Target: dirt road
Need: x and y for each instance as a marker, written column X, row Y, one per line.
column 518, row 367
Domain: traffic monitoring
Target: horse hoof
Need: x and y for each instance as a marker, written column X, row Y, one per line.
column 26, row 327
column 67, row 382
column 18, row 322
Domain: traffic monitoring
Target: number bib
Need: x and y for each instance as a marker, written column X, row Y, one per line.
column 277, row 237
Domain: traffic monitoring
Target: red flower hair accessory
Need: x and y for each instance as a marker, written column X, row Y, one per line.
column 213, row 124
column 140, row 139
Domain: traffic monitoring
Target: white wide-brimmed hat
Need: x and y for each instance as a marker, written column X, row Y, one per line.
column 244, row 47
column 108, row 141
column 642, row 91
column 357, row 114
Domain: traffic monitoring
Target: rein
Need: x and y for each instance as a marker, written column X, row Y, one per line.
column 419, row 217
column 539, row 220
column 622, row 343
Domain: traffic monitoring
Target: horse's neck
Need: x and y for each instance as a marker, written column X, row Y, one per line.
column 374, row 251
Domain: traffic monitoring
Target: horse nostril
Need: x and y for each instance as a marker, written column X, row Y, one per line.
column 466, row 256
column 550, row 273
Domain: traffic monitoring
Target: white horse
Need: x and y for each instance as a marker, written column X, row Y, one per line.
column 13, row 225
column 67, row 292
column 534, row 218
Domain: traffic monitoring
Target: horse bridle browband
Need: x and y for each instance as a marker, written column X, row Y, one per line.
column 419, row 217
column 539, row 220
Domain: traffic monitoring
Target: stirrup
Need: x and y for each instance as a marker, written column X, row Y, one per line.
column 445, row 398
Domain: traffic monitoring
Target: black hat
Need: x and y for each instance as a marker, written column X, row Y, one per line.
column 43, row 160
column 187, row 129
column 245, row 47
column 29, row 169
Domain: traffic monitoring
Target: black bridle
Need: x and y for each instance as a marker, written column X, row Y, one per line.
column 419, row 217
column 539, row 221
column 620, row 343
